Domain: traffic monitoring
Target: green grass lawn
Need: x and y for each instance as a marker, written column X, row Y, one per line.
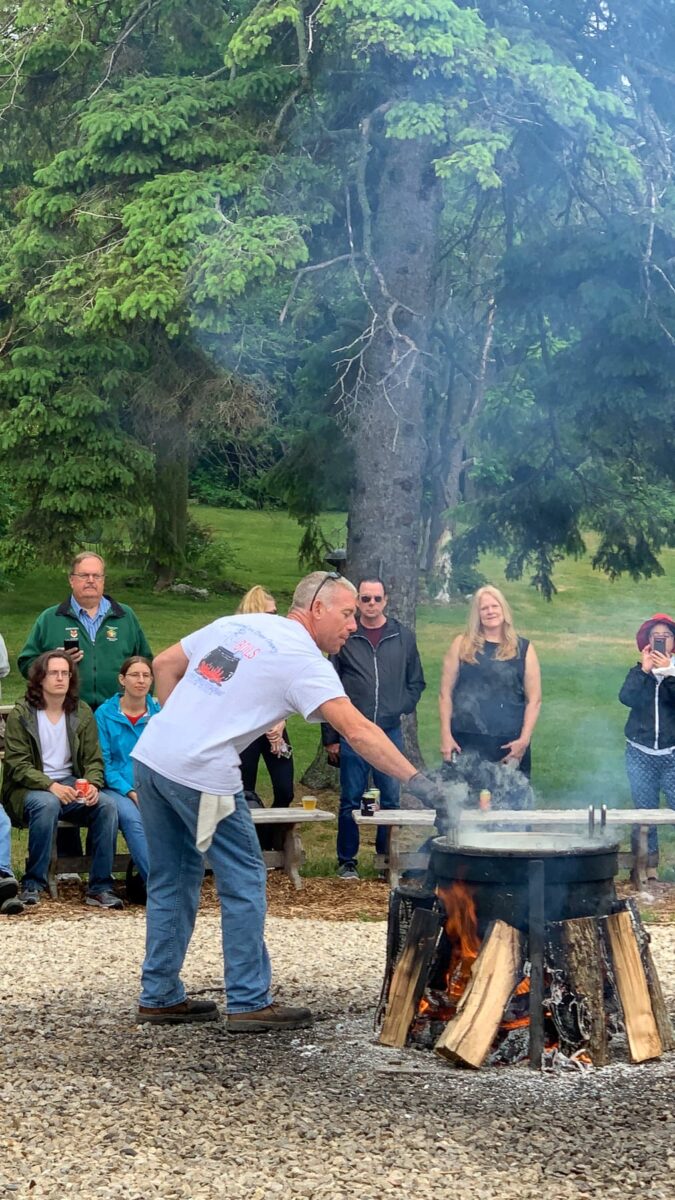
column 585, row 639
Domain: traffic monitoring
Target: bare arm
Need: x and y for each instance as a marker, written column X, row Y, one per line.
column 532, row 684
column 169, row 668
column 448, row 681
column 367, row 739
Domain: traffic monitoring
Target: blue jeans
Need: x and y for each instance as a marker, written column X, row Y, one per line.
column 169, row 812
column 131, row 828
column 5, row 843
column 354, row 772
column 44, row 811
column 648, row 775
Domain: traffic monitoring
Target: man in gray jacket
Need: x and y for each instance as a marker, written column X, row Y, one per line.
column 381, row 672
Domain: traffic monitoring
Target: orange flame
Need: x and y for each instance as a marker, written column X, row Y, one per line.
column 461, row 929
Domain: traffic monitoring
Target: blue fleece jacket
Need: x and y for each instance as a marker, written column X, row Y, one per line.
column 118, row 737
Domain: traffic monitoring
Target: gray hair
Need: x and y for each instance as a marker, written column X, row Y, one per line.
column 321, row 583
column 79, row 558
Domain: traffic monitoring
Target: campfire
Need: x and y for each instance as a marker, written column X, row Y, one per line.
column 517, row 950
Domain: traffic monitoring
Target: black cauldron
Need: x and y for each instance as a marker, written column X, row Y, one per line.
column 578, row 874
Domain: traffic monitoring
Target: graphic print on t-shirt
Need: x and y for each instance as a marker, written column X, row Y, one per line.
column 218, row 665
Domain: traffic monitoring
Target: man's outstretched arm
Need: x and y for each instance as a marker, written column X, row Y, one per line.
column 371, row 743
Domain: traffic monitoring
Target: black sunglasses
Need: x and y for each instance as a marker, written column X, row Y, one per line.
column 334, row 575
column 367, row 599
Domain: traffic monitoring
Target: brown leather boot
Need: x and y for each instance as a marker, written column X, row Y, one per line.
column 179, row 1014
column 264, row 1020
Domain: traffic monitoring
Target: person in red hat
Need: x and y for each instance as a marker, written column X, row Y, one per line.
column 649, row 692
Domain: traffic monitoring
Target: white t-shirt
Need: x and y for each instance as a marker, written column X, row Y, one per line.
column 245, row 673
column 57, row 760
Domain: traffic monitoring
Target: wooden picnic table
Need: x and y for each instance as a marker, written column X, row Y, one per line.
column 291, row 855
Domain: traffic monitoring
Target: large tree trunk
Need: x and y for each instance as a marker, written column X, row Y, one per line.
column 389, row 411
column 167, row 548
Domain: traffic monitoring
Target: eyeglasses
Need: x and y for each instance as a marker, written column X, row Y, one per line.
column 87, row 575
column 367, row 599
column 137, row 675
column 58, row 674
column 334, row 575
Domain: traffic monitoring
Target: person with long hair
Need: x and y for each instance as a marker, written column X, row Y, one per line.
column 53, row 771
column 121, row 721
column 490, row 693
column 274, row 746
column 649, row 692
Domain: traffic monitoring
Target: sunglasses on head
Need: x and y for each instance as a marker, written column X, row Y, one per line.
column 367, row 599
column 334, row 575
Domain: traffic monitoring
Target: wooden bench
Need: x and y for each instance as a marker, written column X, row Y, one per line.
column 289, row 857
column 396, row 819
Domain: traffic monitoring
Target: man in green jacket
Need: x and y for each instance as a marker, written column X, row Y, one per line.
column 53, row 770
column 97, row 632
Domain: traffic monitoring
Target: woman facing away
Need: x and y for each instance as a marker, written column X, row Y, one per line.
column 273, row 746
column 121, row 721
column 490, row 693
column 649, row 692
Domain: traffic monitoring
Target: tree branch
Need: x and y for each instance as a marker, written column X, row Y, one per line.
column 305, row 271
column 144, row 9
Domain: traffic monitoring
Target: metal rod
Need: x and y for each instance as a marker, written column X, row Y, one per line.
column 536, row 952
column 591, row 820
column 603, row 816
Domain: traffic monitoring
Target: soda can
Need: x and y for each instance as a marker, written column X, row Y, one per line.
column 366, row 806
column 82, row 786
column 485, row 800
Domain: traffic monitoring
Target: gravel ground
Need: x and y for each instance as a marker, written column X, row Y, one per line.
column 94, row 1106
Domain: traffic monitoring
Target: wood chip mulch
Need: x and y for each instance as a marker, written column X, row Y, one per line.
column 320, row 899
column 324, row 899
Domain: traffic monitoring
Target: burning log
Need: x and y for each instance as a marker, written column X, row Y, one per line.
column 575, row 966
column 589, row 972
column 410, row 976
column 495, row 974
column 631, row 981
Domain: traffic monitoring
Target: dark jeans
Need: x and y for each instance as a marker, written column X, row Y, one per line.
column 354, row 773
column 43, row 811
column 280, row 770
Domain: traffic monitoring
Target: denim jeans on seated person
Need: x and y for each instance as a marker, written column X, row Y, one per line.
column 131, row 828
column 169, row 812
column 354, row 774
column 5, row 843
column 43, row 811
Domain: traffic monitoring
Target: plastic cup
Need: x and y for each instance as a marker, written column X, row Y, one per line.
column 308, row 802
